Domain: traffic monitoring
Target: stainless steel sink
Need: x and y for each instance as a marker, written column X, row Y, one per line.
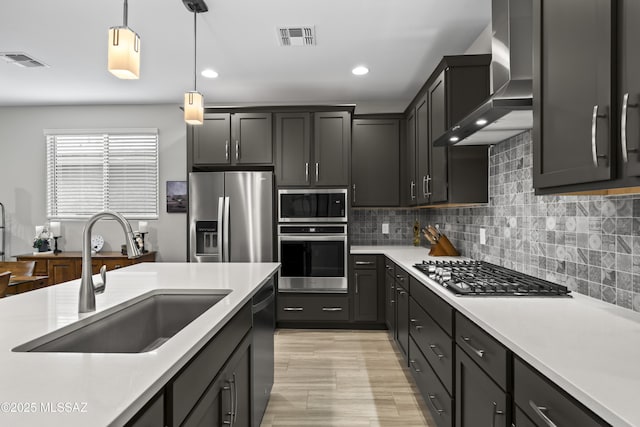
column 136, row 328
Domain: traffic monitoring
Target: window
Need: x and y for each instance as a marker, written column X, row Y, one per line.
column 89, row 171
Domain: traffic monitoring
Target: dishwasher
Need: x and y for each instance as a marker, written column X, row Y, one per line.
column 263, row 308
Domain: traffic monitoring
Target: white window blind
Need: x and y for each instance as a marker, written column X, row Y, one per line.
column 88, row 172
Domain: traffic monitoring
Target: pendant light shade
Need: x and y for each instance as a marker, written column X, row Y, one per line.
column 193, row 100
column 124, row 50
column 194, row 108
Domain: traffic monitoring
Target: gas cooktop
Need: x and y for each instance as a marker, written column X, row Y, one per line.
column 479, row 278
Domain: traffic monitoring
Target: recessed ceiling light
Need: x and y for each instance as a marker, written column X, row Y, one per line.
column 481, row 122
column 209, row 73
column 360, row 70
column 454, row 139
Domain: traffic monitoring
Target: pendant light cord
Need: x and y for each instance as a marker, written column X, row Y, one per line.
column 195, row 50
column 126, row 12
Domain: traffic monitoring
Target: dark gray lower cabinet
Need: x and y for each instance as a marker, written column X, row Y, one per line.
column 402, row 322
column 294, row 307
column 479, row 400
column 152, row 415
column 227, row 400
column 365, row 288
column 390, row 298
column 434, row 393
column 546, row 404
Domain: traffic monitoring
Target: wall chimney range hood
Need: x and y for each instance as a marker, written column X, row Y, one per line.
column 508, row 111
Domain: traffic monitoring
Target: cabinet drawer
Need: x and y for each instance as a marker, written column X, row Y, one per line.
column 189, row 385
column 538, row 398
column 488, row 353
column 437, row 308
column 434, row 343
column 365, row 261
column 313, row 307
column 433, row 392
column 389, row 268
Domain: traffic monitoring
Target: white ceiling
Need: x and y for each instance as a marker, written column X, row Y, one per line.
column 401, row 41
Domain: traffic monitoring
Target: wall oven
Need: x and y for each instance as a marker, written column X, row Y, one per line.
column 313, row 258
column 312, row 205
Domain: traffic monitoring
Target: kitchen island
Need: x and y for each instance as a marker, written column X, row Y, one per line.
column 75, row 389
column 587, row 347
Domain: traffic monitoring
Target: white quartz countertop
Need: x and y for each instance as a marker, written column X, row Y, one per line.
column 589, row 348
column 72, row 389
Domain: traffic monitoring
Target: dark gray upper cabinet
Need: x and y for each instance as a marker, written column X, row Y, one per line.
column 375, row 167
column 233, row 139
column 574, row 103
column 409, row 179
column 293, row 148
column 629, row 13
column 332, row 147
column 423, row 152
column 319, row 161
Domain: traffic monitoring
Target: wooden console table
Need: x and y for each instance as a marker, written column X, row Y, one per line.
column 20, row 284
column 67, row 266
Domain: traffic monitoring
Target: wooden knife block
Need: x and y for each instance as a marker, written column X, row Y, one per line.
column 443, row 248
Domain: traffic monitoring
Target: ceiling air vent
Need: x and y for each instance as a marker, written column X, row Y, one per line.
column 22, row 60
column 297, row 36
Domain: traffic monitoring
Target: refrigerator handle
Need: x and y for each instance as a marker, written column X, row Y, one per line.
column 225, row 233
column 220, row 231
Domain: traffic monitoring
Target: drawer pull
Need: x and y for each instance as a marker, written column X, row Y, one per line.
column 432, row 400
column 540, row 411
column 331, row 308
column 479, row 353
column 496, row 411
column 415, row 325
column 392, row 301
column 365, row 263
column 293, row 309
column 399, row 277
column 414, row 366
column 117, row 266
column 401, row 292
column 433, row 348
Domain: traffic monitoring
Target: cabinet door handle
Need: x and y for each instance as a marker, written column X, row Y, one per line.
column 235, row 398
column 433, row 348
column 428, row 190
column 414, row 366
column 317, row 171
column 293, row 309
column 594, row 134
column 412, row 190
column 496, row 411
column 356, row 283
column 399, row 277
column 467, row 340
column 432, row 401
column 230, row 412
column 306, row 172
column 540, row 412
column 365, row 262
column 331, row 308
column 392, row 301
column 226, row 150
column 354, row 193
column 403, row 293
column 414, row 322
column 623, row 127
column 237, row 149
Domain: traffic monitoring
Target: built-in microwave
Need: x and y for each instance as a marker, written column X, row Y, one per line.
column 312, row 205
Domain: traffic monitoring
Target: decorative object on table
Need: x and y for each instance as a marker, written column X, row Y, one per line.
column 42, row 239
column 97, row 242
column 54, row 228
column 440, row 244
column 123, row 250
column 416, row 233
column 177, row 197
column 143, row 228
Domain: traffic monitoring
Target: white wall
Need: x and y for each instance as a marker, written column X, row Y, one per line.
column 482, row 44
column 23, row 172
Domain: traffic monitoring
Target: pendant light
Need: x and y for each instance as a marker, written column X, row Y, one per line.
column 124, row 50
column 193, row 100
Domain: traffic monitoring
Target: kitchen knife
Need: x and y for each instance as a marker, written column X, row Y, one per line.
column 434, row 231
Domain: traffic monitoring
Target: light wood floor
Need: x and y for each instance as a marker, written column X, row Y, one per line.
column 341, row 378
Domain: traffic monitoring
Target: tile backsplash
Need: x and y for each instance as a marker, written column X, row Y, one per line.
column 591, row 244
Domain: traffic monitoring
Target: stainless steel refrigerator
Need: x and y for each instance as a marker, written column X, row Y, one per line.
column 231, row 217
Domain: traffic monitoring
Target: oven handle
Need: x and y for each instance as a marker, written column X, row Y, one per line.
column 313, row 237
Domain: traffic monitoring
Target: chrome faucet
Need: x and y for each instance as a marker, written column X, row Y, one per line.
column 88, row 289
